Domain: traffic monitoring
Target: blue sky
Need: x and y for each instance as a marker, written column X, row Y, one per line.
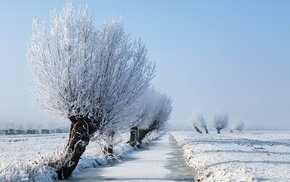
column 211, row 56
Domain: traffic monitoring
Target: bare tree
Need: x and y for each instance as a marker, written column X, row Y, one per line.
column 90, row 76
column 237, row 126
column 220, row 121
column 197, row 122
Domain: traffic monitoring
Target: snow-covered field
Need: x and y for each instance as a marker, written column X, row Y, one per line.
column 246, row 156
column 24, row 155
column 28, row 148
column 20, row 153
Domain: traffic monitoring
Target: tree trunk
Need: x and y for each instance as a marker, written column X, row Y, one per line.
column 143, row 132
column 133, row 136
column 141, row 135
column 218, row 130
column 206, row 130
column 79, row 138
column 197, row 130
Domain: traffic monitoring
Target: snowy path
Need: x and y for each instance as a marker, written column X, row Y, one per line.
column 162, row 160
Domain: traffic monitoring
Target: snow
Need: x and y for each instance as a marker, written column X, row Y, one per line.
column 244, row 156
column 136, row 166
column 154, row 163
column 23, row 156
column 28, row 148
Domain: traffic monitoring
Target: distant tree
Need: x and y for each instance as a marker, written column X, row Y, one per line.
column 237, row 126
column 197, row 122
column 90, row 76
column 154, row 111
column 159, row 116
column 220, row 121
column 143, row 113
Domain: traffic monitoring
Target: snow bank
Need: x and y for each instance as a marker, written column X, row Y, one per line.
column 248, row 156
column 23, row 157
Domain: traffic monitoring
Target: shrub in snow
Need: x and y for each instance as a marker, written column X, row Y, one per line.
column 27, row 172
column 220, row 121
column 10, row 172
column 43, row 174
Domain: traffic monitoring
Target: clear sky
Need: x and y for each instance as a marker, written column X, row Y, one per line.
column 211, row 56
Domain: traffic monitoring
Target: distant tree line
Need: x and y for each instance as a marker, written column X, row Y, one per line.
column 31, row 131
column 220, row 121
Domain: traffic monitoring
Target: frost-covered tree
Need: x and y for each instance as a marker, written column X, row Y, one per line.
column 159, row 110
column 144, row 109
column 197, row 122
column 90, row 76
column 220, row 121
column 237, row 126
column 152, row 113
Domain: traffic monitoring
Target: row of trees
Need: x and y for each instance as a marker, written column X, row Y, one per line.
column 155, row 112
column 220, row 121
column 99, row 79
